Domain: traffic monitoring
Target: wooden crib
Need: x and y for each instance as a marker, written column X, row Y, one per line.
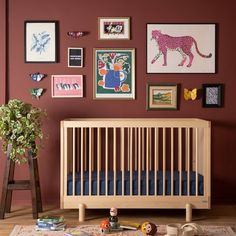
column 135, row 163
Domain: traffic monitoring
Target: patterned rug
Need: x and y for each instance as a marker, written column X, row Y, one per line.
column 93, row 230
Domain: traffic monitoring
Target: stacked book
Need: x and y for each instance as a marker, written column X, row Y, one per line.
column 52, row 223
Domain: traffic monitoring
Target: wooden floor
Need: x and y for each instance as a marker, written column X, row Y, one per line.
column 218, row 215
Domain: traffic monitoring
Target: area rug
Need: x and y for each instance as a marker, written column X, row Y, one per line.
column 93, row 230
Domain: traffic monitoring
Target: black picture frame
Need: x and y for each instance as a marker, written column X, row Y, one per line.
column 212, row 95
column 75, row 57
column 41, row 41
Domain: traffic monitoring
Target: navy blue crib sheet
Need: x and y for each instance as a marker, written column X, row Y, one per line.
column 143, row 177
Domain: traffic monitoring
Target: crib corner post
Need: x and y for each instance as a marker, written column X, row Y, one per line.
column 188, row 212
column 81, row 212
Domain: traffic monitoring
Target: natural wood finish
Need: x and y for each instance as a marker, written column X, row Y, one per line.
column 129, row 152
column 9, row 184
column 81, row 212
column 188, row 212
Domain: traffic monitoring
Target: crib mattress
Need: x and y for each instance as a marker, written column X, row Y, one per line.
column 192, row 190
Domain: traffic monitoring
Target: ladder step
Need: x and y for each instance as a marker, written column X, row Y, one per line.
column 19, row 185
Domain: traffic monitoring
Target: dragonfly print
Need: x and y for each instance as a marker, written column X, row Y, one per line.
column 40, row 42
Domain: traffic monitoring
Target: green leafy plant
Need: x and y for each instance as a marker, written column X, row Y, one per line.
column 20, row 127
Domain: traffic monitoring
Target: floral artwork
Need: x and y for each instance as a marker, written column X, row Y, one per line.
column 114, row 73
column 113, row 28
column 40, row 41
column 181, row 48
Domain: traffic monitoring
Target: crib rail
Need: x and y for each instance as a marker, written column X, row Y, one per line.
column 134, row 154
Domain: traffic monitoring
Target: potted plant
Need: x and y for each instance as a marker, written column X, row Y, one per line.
column 20, row 129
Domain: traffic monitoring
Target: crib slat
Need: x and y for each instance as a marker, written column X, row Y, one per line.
column 128, row 149
column 147, row 161
column 139, row 160
column 156, row 158
column 90, row 162
column 114, row 158
column 172, row 161
column 143, row 149
column 65, row 159
column 106, row 156
column 122, row 160
column 82, row 161
column 131, row 161
column 99, row 159
column 188, row 159
column 150, row 149
column 135, row 149
column 85, row 149
column 73, row 161
column 196, row 159
column 180, row 159
column 164, row 161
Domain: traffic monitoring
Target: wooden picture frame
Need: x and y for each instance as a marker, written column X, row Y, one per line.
column 212, row 95
column 41, row 41
column 181, row 48
column 114, row 73
column 67, row 86
column 162, row 97
column 114, row 28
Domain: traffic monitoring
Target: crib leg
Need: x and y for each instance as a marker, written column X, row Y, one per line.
column 188, row 212
column 81, row 212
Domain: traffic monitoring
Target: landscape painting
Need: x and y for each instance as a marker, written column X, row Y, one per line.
column 161, row 97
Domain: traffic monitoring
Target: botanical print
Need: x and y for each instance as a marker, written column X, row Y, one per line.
column 212, row 94
column 114, row 73
column 67, row 86
column 181, row 48
column 40, row 42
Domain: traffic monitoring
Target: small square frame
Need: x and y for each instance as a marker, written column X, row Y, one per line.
column 162, row 97
column 75, row 57
column 41, row 41
column 113, row 28
column 67, row 86
column 212, row 95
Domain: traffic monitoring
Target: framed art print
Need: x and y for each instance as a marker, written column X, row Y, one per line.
column 114, row 73
column 181, row 48
column 67, row 86
column 113, row 28
column 75, row 57
column 212, row 95
column 40, row 41
column 162, row 96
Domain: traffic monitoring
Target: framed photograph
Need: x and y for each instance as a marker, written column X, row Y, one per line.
column 67, row 86
column 114, row 73
column 113, row 28
column 212, row 95
column 181, row 48
column 75, row 57
column 40, row 41
column 162, row 96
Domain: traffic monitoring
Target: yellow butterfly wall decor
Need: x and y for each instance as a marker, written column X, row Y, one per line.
column 190, row 94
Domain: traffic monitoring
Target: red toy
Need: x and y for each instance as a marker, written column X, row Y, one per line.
column 105, row 226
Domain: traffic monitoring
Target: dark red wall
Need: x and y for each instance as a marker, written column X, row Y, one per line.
column 83, row 16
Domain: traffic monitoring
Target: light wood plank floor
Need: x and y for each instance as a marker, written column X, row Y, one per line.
column 218, row 215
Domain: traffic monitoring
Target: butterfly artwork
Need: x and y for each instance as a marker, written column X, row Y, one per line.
column 37, row 76
column 36, row 92
column 190, row 94
column 75, row 34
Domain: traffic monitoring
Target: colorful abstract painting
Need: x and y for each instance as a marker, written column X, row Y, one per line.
column 114, row 73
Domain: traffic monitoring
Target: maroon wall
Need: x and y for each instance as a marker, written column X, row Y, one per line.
column 83, row 15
